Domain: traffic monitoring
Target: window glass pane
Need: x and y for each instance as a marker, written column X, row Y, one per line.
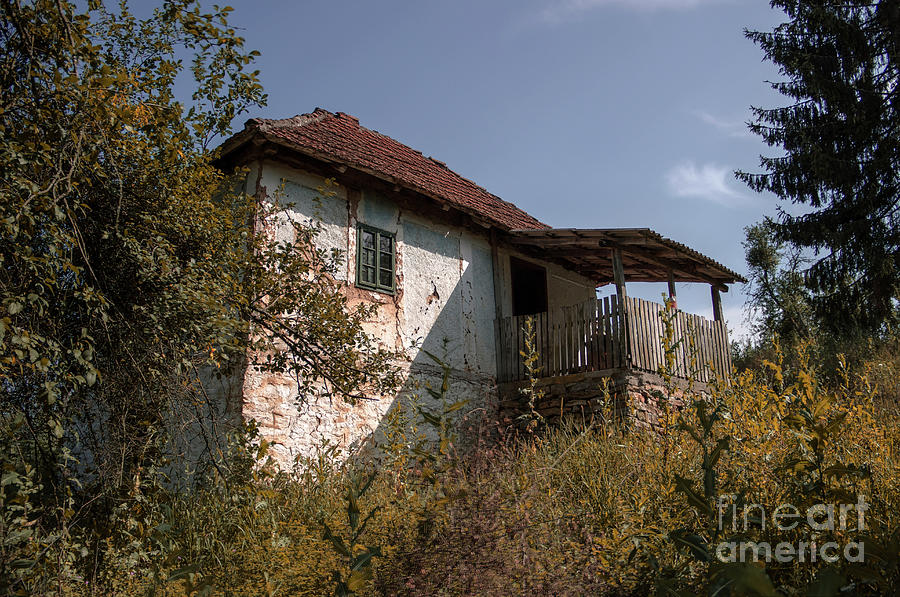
column 376, row 259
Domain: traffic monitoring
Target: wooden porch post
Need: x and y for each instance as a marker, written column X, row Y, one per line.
column 498, row 309
column 671, row 283
column 619, row 274
column 716, row 302
column 619, row 278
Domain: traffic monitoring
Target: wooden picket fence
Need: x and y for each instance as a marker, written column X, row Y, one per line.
column 608, row 334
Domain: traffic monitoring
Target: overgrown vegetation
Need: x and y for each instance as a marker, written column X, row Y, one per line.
column 132, row 273
column 782, row 306
column 575, row 510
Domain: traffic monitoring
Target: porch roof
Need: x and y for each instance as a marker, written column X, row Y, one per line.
column 646, row 255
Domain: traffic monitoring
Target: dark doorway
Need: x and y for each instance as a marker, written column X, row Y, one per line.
column 529, row 287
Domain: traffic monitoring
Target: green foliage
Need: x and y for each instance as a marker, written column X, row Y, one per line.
column 782, row 307
column 111, row 217
column 531, row 392
column 358, row 559
column 441, row 421
column 133, row 273
column 801, row 443
column 570, row 511
column 840, row 148
column 776, row 290
column 128, row 258
column 35, row 558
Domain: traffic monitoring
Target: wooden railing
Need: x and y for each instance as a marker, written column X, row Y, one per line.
column 608, row 334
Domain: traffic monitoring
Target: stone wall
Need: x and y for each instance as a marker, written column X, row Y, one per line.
column 636, row 397
column 297, row 428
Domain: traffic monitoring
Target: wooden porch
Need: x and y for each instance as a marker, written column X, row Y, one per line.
column 613, row 333
column 618, row 333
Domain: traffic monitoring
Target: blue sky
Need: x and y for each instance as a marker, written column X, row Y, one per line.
column 585, row 113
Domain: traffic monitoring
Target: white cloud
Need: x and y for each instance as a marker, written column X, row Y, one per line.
column 559, row 11
column 707, row 181
column 732, row 128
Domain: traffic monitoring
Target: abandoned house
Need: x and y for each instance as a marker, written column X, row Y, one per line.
column 457, row 271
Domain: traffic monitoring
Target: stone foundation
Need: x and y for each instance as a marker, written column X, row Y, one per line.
column 299, row 428
column 626, row 395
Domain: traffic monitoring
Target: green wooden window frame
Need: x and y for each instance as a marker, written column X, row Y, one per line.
column 376, row 262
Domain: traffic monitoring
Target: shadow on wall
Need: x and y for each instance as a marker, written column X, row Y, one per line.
column 446, row 308
column 471, row 395
column 362, row 431
column 200, row 418
column 445, row 305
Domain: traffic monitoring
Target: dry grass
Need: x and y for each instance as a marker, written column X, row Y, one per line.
column 571, row 510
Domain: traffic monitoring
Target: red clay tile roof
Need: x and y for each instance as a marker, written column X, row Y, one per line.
column 340, row 138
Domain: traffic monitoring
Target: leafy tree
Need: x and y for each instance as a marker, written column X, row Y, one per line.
column 841, row 161
column 776, row 290
column 132, row 268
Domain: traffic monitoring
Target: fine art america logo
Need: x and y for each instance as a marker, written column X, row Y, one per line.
column 821, row 518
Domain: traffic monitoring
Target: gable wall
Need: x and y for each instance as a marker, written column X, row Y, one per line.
column 444, row 300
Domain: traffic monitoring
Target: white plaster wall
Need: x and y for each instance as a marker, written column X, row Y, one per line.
column 565, row 288
column 444, row 303
column 300, row 193
column 448, row 295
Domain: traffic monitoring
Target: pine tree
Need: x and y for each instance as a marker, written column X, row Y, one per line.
column 841, row 153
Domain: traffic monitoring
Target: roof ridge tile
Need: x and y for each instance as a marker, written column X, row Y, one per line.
column 340, row 137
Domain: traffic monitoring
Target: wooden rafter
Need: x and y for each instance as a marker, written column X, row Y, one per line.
column 646, row 255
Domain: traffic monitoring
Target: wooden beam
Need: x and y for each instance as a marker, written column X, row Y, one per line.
column 498, row 279
column 556, row 241
column 684, row 273
column 619, row 273
column 637, row 250
column 498, row 309
column 623, row 323
column 671, row 283
column 717, row 303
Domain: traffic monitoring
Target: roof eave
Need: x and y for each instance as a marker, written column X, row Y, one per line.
column 327, row 158
column 577, row 247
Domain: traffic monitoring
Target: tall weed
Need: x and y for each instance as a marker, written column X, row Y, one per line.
column 561, row 510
